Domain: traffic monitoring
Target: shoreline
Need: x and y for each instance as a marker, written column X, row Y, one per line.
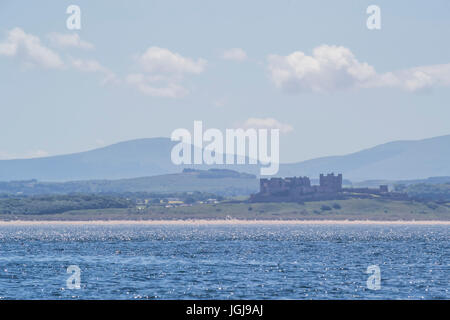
column 189, row 222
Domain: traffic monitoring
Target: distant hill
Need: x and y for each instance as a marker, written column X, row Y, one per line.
column 136, row 158
column 392, row 183
column 398, row 160
column 129, row 159
column 218, row 181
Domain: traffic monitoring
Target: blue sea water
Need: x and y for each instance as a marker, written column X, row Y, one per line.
column 224, row 262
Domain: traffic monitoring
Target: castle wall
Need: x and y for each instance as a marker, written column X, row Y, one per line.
column 300, row 189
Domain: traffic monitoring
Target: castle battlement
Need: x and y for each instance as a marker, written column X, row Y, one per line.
column 300, row 188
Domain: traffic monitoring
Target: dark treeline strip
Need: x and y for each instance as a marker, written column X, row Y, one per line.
column 54, row 203
column 426, row 192
column 50, row 204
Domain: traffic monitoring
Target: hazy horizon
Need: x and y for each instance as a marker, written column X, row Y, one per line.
column 229, row 64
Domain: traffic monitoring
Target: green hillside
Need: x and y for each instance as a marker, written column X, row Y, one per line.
column 218, row 181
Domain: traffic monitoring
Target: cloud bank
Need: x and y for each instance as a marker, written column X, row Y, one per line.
column 88, row 65
column 161, row 60
column 162, row 72
column 68, row 40
column 236, row 54
column 333, row 68
column 30, row 49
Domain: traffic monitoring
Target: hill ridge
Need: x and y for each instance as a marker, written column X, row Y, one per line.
column 394, row 160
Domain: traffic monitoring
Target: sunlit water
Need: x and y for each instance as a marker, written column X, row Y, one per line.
column 224, row 262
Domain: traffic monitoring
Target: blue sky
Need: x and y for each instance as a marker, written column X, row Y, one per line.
column 71, row 91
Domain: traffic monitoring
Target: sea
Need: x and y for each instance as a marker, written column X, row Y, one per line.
column 229, row 261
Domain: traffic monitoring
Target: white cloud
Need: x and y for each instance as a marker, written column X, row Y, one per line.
column 94, row 66
column 329, row 68
column 236, row 54
column 162, row 72
column 30, row 49
column 159, row 60
column 151, row 86
column 267, row 123
column 332, row 68
column 414, row 79
column 219, row 103
column 68, row 40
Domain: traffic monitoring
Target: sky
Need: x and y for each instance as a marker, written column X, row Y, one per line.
column 141, row 69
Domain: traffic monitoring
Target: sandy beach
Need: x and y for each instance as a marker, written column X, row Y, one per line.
column 221, row 222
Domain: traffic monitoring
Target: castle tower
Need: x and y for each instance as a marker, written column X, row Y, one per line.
column 330, row 183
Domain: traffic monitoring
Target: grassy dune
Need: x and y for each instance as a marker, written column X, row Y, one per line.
column 352, row 209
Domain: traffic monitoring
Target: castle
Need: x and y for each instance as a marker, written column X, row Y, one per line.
column 300, row 189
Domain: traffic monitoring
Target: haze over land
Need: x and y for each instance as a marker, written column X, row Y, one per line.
column 398, row 160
